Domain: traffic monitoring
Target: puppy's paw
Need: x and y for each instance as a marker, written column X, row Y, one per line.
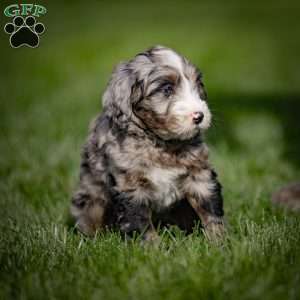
column 215, row 231
column 151, row 238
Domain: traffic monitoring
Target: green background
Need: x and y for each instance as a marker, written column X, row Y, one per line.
column 249, row 54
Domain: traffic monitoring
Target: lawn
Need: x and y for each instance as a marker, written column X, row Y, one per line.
column 250, row 59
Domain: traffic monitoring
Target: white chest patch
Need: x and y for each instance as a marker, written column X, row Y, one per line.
column 166, row 186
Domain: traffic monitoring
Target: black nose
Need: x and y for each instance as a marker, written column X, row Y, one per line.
column 198, row 117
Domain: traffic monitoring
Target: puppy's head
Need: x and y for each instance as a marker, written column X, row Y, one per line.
column 162, row 92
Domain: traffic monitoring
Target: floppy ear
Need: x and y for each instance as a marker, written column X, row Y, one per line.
column 122, row 92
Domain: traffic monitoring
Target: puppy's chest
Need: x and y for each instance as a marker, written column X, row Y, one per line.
column 166, row 183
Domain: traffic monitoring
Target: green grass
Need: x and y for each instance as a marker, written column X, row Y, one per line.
column 250, row 58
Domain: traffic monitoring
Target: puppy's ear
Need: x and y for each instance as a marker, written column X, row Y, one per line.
column 123, row 91
column 137, row 92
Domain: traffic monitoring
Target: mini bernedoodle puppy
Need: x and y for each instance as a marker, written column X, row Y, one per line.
column 145, row 162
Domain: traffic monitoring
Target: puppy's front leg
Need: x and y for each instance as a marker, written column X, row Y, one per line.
column 206, row 199
column 135, row 217
column 213, row 224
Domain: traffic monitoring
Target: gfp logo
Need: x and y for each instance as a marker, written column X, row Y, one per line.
column 24, row 30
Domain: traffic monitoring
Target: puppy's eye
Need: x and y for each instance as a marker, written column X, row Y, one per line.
column 167, row 89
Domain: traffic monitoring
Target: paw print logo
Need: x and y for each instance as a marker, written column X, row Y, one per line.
column 24, row 32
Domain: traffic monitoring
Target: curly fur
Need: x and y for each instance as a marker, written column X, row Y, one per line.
column 145, row 160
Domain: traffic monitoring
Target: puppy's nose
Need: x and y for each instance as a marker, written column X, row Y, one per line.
column 197, row 117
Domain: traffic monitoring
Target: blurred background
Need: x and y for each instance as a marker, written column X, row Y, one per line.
column 249, row 53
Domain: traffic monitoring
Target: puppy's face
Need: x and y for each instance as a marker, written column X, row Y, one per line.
column 173, row 101
column 161, row 91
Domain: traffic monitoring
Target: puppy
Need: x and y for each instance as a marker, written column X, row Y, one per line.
column 145, row 161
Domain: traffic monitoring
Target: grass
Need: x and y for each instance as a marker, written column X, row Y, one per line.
column 49, row 94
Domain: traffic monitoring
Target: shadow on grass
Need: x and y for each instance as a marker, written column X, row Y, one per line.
column 285, row 109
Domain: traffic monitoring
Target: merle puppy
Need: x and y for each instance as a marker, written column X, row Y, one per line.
column 145, row 161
